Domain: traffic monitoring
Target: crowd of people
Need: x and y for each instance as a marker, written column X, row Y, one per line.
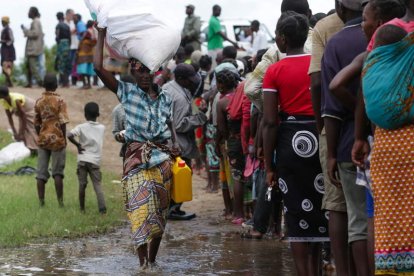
column 284, row 130
column 75, row 42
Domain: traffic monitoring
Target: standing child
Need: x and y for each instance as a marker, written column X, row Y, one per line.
column 50, row 122
column 90, row 143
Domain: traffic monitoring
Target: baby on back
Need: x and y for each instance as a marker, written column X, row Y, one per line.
column 389, row 34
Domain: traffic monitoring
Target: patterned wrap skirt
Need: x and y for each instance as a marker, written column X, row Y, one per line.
column 63, row 58
column 146, row 198
column 392, row 173
column 212, row 159
column 301, row 181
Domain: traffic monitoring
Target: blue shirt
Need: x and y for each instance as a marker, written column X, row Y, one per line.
column 340, row 51
column 146, row 118
column 80, row 29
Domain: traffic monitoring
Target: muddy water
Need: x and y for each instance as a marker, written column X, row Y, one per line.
column 183, row 252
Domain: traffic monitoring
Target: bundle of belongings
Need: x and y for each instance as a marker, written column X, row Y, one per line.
column 388, row 83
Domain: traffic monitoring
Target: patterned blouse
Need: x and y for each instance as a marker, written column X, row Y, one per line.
column 50, row 114
column 146, row 118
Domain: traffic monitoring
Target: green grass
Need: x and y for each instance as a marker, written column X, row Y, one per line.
column 23, row 221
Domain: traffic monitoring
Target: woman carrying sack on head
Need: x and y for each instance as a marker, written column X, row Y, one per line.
column 148, row 159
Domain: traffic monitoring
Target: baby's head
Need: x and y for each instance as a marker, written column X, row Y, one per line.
column 389, row 34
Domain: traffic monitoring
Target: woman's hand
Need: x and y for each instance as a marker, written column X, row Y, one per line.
column 175, row 150
column 271, row 178
column 99, row 29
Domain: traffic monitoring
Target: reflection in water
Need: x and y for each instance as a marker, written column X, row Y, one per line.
column 208, row 253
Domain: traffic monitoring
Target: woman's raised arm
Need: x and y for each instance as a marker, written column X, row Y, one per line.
column 107, row 78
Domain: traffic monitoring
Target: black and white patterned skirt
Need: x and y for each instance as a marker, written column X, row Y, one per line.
column 301, row 181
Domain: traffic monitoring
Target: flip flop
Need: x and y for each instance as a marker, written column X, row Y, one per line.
column 249, row 236
column 237, row 221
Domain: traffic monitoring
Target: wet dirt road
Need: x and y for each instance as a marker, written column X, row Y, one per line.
column 207, row 245
column 204, row 246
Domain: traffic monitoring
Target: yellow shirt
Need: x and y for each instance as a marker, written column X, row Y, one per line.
column 14, row 97
column 323, row 31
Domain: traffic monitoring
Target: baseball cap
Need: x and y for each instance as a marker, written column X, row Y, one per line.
column 190, row 6
column 227, row 66
column 187, row 71
column 355, row 5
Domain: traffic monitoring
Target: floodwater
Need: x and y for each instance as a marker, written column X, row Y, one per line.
column 187, row 249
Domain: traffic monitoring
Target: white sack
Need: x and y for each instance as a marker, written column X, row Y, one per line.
column 136, row 30
column 12, row 153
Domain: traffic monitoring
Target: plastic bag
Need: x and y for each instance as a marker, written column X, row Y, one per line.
column 12, row 153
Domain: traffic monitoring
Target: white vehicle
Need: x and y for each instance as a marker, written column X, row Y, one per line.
column 237, row 30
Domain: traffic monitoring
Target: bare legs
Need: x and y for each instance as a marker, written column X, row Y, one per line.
column 58, row 186
column 41, row 191
column 350, row 259
column 86, row 81
column 227, row 200
column 360, row 257
column 238, row 199
column 306, row 257
column 148, row 256
column 338, row 233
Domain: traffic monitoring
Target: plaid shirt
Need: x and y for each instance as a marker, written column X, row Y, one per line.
column 146, row 118
column 253, row 85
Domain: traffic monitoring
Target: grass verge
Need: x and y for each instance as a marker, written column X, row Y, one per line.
column 23, row 220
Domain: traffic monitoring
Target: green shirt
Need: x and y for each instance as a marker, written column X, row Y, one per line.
column 215, row 40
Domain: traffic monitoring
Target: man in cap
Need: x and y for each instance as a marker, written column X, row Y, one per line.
column 181, row 90
column 191, row 31
column 8, row 53
column 338, row 118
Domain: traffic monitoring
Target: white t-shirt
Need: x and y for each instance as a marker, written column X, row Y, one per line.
column 74, row 41
column 91, row 135
column 259, row 42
